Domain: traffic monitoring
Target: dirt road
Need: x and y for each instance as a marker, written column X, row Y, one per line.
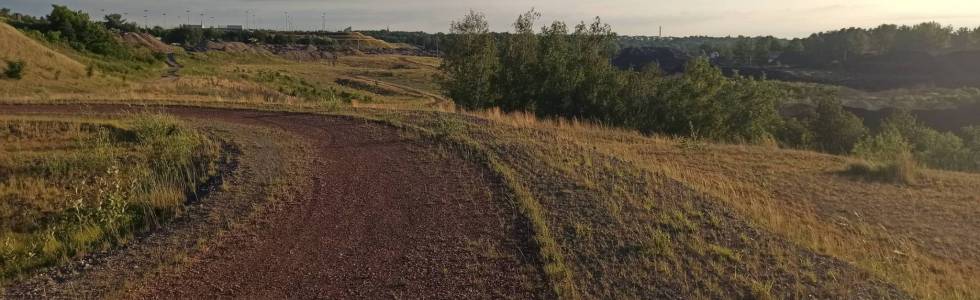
column 382, row 216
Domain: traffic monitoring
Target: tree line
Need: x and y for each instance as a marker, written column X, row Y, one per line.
column 822, row 49
column 842, row 46
column 562, row 71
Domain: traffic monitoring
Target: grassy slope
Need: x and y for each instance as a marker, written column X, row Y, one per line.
column 922, row 237
column 58, row 72
column 45, row 62
column 44, row 65
column 611, row 228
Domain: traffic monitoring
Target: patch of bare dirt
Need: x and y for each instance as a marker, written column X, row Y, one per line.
column 380, row 215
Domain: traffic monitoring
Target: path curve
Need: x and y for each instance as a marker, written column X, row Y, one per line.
column 383, row 216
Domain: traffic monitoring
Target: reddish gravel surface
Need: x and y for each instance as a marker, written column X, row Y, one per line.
column 383, row 216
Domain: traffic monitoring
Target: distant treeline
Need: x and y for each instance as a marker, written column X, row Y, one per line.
column 821, row 49
column 192, row 36
column 78, row 30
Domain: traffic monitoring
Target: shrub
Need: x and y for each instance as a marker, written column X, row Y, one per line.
column 15, row 69
column 794, row 133
column 971, row 138
column 835, row 130
column 929, row 146
column 77, row 30
column 887, row 156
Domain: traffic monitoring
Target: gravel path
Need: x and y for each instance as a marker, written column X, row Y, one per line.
column 383, row 215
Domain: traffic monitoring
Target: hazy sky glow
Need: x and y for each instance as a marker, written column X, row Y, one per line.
column 783, row 18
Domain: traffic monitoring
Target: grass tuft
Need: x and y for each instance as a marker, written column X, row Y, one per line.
column 73, row 187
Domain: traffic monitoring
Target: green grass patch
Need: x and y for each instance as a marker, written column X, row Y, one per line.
column 68, row 188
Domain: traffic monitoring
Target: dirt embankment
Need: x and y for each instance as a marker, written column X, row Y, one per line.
column 383, row 215
column 147, row 41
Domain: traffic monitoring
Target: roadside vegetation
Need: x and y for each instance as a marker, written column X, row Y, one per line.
column 70, row 187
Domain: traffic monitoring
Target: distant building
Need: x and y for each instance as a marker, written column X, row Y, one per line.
column 191, row 26
column 234, row 28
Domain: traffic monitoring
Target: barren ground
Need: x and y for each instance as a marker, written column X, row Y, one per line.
column 371, row 213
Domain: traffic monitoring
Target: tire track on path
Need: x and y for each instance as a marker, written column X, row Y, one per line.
column 383, row 215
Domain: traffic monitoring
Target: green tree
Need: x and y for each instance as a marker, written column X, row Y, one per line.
column 836, row 130
column 883, row 38
column 518, row 59
column 856, row 43
column 470, row 63
column 971, row 138
column 81, row 33
column 743, row 51
column 186, row 35
column 116, row 21
column 557, row 79
column 595, row 95
column 930, row 36
column 689, row 107
column 964, row 39
column 749, row 107
column 931, row 147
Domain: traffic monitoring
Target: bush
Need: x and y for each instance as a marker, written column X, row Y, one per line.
column 15, row 69
column 77, row 30
column 836, row 130
column 794, row 133
column 887, row 156
column 702, row 102
column 929, row 146
column 971, row 138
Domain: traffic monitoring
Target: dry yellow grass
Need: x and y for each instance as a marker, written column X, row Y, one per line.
column 42, row 62
column 921, row 237
column 218, row 77
column 611, row 228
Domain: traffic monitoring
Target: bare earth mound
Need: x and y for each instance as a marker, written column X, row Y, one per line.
column 147, row 41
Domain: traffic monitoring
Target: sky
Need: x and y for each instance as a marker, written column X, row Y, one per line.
column 781, row 18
